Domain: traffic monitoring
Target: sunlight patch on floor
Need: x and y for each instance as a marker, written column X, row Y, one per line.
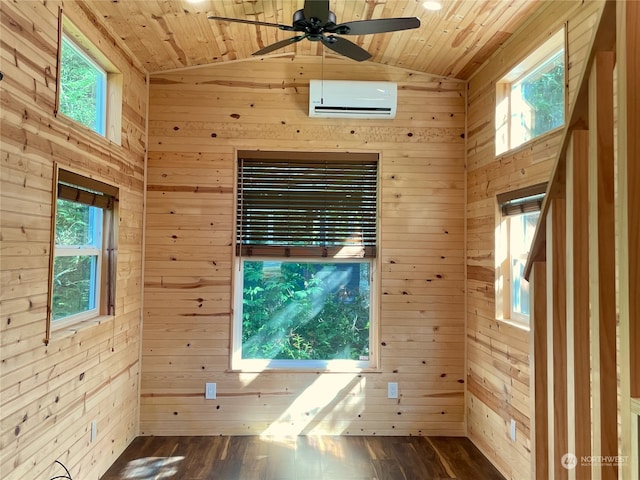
column 148, row 468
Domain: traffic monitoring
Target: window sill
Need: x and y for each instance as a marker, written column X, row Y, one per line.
column 303, row 366
column 71, row 328
column 513, row 322
column 313, row 371
column 87, row 131
column 529, row 143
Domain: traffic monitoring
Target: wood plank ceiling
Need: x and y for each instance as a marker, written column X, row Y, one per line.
column 170, row 34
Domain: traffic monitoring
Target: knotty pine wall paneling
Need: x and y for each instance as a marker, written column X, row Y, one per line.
column 49, row 395
column 498, row 369
column 198, row 119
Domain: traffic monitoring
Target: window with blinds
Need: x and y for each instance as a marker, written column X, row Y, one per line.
column 76, row 188
column 84, row 249
column 519, row 210
column 293, row 204
column 524, row 200
column 305, row 292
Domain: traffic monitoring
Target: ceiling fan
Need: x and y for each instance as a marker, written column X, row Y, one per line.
column 318, row 24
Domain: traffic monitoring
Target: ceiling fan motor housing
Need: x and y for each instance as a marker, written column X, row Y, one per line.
column 312, row 25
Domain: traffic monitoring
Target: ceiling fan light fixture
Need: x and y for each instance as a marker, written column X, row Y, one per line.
column 432, row 5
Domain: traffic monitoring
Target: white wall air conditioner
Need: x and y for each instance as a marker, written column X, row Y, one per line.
column 352, row 99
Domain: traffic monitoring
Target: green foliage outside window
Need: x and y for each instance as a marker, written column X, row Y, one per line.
column 74, row 275
column 82, row 88
column 545, row 92
column 305, row 311
column 72, row 285
column 72, row 223
column 522, row 228
column 530, row 98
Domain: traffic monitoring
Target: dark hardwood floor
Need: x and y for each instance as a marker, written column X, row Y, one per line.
column 302, row 458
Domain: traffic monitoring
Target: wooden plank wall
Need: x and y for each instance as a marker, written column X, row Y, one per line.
column 198, row 118
column 498, row 370
column 50, row 394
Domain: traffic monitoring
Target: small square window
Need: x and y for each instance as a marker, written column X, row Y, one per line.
column 530, row 99
column 83, row 87
column 83, row 276
column 89, row 89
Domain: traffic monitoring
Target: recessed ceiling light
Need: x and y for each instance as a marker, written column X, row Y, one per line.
column 433, row 5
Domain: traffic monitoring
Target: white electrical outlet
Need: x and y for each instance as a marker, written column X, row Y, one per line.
column 512, row 430
column 392, row 390
column 94, row 430
column 210, row 391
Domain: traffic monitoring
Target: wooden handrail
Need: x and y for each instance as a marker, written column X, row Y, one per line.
column 604, row 39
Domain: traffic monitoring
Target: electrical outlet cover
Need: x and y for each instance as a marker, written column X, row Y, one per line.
column 210, row 391
column 392, row 390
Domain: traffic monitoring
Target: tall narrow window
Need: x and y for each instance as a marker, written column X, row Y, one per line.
column 519, row 213
column 305, row 244
column 522, row 227
column 83, row 277
column 530, row 98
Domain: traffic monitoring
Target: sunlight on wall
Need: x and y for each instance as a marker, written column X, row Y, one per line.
column 247, row 379
column 502, row 124
column 324, row 394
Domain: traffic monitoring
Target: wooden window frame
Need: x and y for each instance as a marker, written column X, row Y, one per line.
column 503, row 103
column 313, row 254
column 341, row 365
column 72, row 186
column 509, row 204
column 114, row 90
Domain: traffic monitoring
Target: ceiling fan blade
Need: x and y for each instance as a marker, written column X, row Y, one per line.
column 277, row 45
column 380, row 25
column 317, row 9
column 346, row 47
column 251, row 22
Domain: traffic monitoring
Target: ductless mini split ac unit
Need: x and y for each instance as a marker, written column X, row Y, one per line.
column 352, row 99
